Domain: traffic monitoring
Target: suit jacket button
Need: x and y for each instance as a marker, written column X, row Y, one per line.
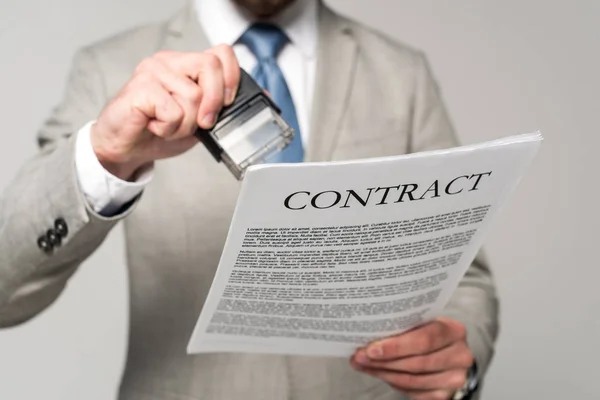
column 44, row 244
column 53, row 238
column 60, row 226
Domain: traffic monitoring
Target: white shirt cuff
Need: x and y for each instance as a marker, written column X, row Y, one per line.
column 105, row 193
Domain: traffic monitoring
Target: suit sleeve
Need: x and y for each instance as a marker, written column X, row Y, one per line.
column 47, row 228
column 475, row 302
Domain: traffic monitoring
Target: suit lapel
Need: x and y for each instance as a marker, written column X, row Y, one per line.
column 335, row 69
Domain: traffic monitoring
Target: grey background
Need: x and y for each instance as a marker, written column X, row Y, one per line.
column 505, row 67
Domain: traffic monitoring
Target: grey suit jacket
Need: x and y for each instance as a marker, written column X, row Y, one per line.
column 374, row 97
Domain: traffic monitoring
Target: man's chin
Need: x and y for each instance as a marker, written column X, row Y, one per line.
column 264, row 8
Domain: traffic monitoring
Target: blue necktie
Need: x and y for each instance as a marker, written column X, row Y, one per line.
column 265, row 41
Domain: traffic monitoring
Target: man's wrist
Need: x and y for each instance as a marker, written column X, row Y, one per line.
column 105, row 193
column 123, row 168
column 123, row 171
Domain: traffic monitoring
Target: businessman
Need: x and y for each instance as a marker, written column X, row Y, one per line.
column 119, row 146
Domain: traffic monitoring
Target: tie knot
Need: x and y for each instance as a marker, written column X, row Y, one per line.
column 264, row 40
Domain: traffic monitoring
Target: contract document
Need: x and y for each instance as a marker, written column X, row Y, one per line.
column 323, row 258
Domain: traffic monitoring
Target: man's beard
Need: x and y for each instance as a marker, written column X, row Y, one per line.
column 264, row 8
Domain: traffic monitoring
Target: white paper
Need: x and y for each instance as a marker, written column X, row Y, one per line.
column 353, row 257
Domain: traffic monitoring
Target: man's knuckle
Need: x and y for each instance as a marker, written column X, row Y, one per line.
column 142, row 80
column 178, row 114
column 211, row 101
column 439, row 395
column 171, row 114
column 143, row 83
column 467, row 358
column 194, row 95
column 160, row 130
column 145, row 65
column 211, row 61
column 224, row 48
column 457, row 379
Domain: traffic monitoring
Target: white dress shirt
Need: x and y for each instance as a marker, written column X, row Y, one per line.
column 223, row 22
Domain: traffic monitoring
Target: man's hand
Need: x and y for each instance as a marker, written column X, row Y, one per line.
column 428, row 363
column 156, row 113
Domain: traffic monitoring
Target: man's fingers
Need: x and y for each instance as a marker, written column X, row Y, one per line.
column 185, row 92
column 428, row 362
column 163, row 112
column 212, row 84
column 457, row 355
column 231, row 70
column 420, row 341
column 451, row 380
column 208, row 70
column 169, row 96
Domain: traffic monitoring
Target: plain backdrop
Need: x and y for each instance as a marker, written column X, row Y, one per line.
column 505, row 67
